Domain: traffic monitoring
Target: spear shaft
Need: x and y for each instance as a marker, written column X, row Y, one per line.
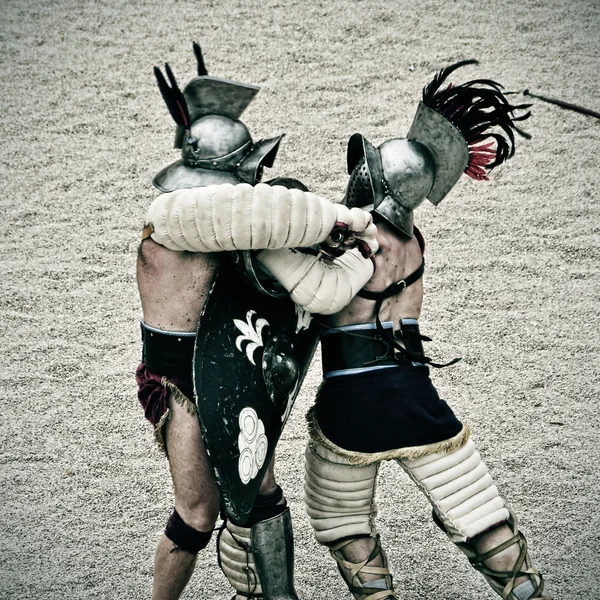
column 575, row 107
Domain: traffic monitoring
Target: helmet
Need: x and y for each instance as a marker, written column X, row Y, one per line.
column 445, row 140
column 216, row 147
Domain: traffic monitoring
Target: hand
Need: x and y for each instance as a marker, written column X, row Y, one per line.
column 354, row 228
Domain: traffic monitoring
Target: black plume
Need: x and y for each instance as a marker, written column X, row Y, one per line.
column 173, row 97
column 200, row 60
column 481, row 112
column 432, row 87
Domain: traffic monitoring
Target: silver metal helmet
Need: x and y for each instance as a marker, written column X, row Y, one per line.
column 445, row 140
column 401, row 173
column 216, row 147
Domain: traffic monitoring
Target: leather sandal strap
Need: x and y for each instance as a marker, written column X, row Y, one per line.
column 349, row 570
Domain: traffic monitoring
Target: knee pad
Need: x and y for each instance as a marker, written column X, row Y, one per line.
column 339, row 497
column 184, row 536
column 460, row 490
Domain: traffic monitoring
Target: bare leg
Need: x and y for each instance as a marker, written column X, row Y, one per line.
column 196, row 500
column 268, row 485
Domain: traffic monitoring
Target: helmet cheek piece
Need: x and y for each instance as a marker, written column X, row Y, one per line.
column 359, row 192
column 262, row 154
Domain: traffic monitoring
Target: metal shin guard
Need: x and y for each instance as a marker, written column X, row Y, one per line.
column 273, row 546
column 259, row 561
column 460, row 489
column 340, row 503
column 503, row 582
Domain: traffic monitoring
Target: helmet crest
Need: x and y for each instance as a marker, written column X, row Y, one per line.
column 467, row 128
column 478, row 108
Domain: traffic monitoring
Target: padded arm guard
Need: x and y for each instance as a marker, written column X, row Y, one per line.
column 316, row 284
column 228, row 217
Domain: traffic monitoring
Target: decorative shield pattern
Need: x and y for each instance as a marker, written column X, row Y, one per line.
column 252, row 354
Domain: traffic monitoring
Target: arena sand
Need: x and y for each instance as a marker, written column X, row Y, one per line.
column 512, row 279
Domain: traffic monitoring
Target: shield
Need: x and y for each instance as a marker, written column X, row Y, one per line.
column 252, row 354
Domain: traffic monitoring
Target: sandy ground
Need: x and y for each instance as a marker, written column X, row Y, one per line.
column 512, row 279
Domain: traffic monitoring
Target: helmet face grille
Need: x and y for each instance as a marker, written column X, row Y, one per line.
column 359, row 192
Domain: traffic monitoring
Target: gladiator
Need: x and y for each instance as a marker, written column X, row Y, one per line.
column 229, row 273
column 377, row 401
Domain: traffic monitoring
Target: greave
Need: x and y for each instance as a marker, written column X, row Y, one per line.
column 273, row 546
column 259, row 561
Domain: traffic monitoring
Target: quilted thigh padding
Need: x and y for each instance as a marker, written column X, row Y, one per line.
column 339, row 497
column 460, row 490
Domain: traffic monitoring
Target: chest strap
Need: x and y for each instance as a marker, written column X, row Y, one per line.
column 392, row 290
column 395, row 288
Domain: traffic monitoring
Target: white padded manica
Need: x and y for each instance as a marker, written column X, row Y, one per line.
column 318, row 285
column 227, row 217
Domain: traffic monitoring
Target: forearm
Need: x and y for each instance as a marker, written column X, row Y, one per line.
column 317, row 284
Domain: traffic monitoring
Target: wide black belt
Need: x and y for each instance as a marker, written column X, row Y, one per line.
column 168, row 353
column 357, row 348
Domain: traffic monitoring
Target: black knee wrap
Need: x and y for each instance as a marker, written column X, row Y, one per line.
column 185, row 537
column 266, row 507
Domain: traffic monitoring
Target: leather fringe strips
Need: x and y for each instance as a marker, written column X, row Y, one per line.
column 179, row 396
column 181, row 399
column 410, row 452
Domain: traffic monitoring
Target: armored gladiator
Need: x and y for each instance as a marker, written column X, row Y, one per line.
column 377, row 401
column 228, row 273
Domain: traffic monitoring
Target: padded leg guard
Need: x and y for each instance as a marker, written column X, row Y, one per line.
column 340, row 502
column 340, row 497
column 503, row 582
column 236, row 560
column 259, row 561
column 460, row 490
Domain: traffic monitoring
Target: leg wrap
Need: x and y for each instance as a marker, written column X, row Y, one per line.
column 258, row 561
column 367, row 579
column 461, row 491
column 503, row 582
column 340, row 497
column 185, row 537
column 236, row 560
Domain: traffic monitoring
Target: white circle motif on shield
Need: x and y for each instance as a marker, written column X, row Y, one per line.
column 261, row 449
column 248, row 423
column 246, row 465
column 253, row 444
